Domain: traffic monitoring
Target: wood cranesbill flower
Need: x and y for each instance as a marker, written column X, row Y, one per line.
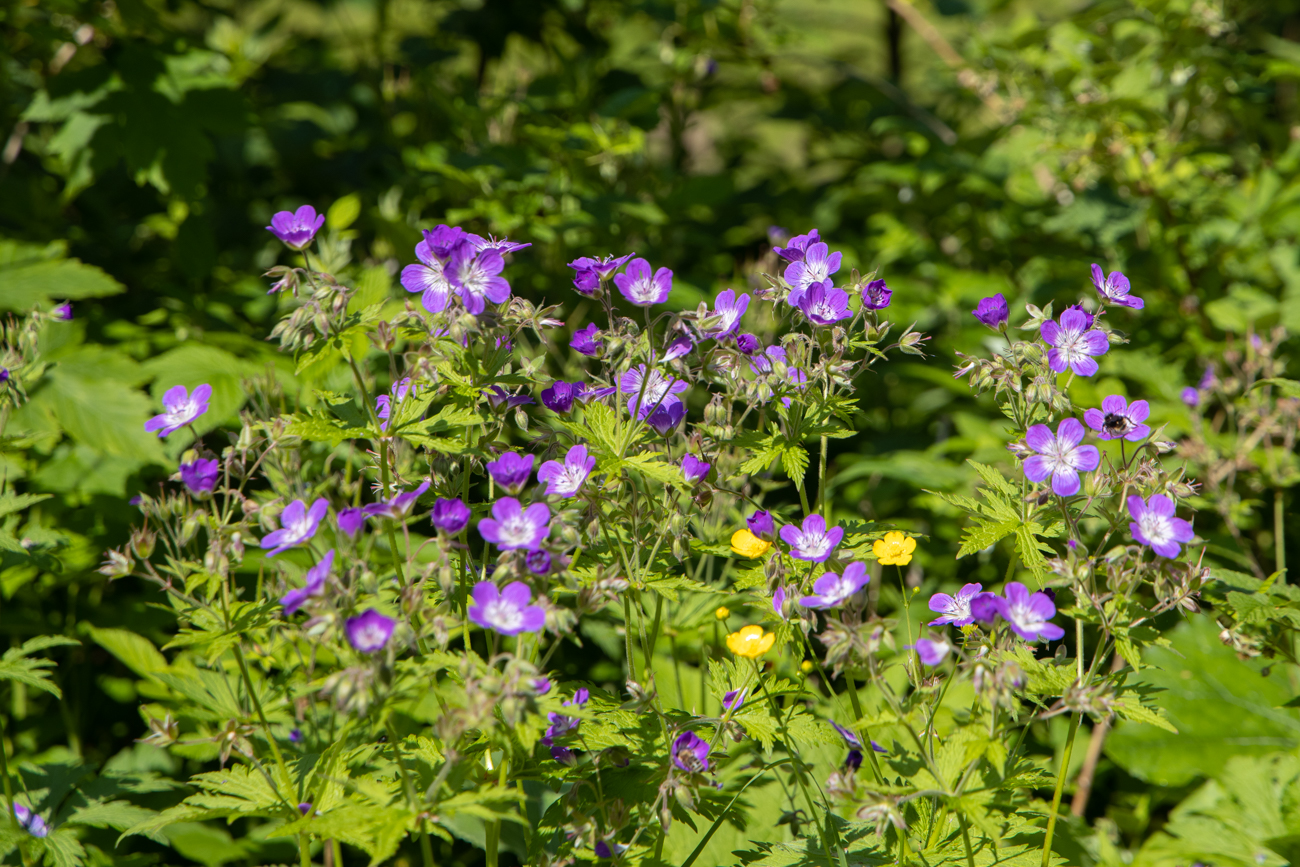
column 63, row 312
column 761, row 525
column 384, row 402
column 876, row 295
column 694, row 470
column 832, row 590
column 499, row 245
column 297, row 524
column 538, row 562
column 855, row 744
column 429, row 276
column 1028, row 613
column 566, row 479
column 507, row 611
column 450, row 516
column 1060, row 456
column 513, row 527
column 397, row 506
column 823, row 304
column 313, row 585
column 1118, row 418
column 680, row 345
column 559, row 396
column 476, row 277
column 955, row 609
column 1191, row 396
column 932, row 651
column 296, row 229
column 30, row 821
column 895, row 549
column 180, row 408
column 562, row 724
column 369, row 631
column 778, row 603
column 511, row 471
column 797, row 246
column 498, row 397
column 200, row 475
column 750, row 642
column 1074, row 343
column 691, row 753
column 643, row 288
column 812, row 541
column 728, row 309
column 589, row 271
column 659, row 390
column 1155, row 525
column 1115, row 288
column 814, row 269
column 993, row 312
column 350, row 520
column 666, row 417
column 584, row 341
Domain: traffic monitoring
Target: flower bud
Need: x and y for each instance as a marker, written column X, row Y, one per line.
column 116, row 564
column 521, row 418
column 722, row 613
column 189, row 527
column 142, row 542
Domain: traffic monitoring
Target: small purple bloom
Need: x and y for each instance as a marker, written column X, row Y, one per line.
column 993, row 312
column 541, row 685
column 734, row 700
column 313, row 585
column 384, row 403
column 1073, row 343
column 955, row 609
column 761, row 362
column 297, row 525
column 640, row 287
column 4, row 375
column 813, row 269
column 604, row 849
column 812, row 541
column 566, row 479
column 429, row 277
column 1060, row 456
column 564, row 755
column 560, row 396
column 876, row 295
column 200, row 475
column 666, row 417
column 538, row 562
column 586, row 283
column 729, row 308
column 796, row 247
column 1117, row 418
column 444, row 240
column 1115, row 288
column 834, row 590
column 506, row 611
column 296, row 228
column 304, row 807
column 778, row 603
column 747, row 343
column 1191, row 396
column 1154, row 525
column 680, row 345
column 694, row 470
column 823, row 305
column 761, row 525
column 351, row 520
column 851, row 738
column 511, row 471
column 1079, row 308
column 561, row 724
column 398, row 507
column 660, row 390
column 31, row 821
column 984, row 608
column 450, row 516
column 180, row 408
column 499, row 245
column 512, row 527
column 932, row 651
column 1028, row 614
column 691, row 753
column 602, row 266
column 369, row 631
column 476, row 276
column 1208, row 377
column 584, row 341
column 498, row 397
column 295, row 736
column 63, row 312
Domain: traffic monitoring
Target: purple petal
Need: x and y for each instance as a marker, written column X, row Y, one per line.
column 1115, row 405
column 1040, row 439
column 1065, row 482
column 1086, row 458
column 1069, row 432
column 1037, row 468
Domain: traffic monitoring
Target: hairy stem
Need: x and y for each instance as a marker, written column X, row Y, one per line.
column 1060, row 787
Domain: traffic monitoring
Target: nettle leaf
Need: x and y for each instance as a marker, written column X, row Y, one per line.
column 983, row 534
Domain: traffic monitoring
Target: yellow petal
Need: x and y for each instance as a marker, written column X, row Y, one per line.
column 746, row 544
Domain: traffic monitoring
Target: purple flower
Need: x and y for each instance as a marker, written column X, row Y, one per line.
column 734, row 700
column 584, row 341
column 500, row 245
column 63, row 312
column 200, row 475
column 369, row 631
column 747, row 343
column 450, row 516
column 796, row 248
column 778, row 603
column 31, row 821
column 541, row 685
column 443, row 240
column 993, row 312
column 851, row 738
column 814, row 269
column 350, row 520
column 955, row 609
column 511, row 471
column 384, row 403
column 565, row 479
column 729, row 309
column 694, row 470
column 833, row 590
column 812, row 542
column 761, row 525
column 313, row 585
column 691, row 753
column 1060, row 456
column 823, row 305
column 1117, row 418
column 562, row 725
column 1028, row 614
column 680, row 345
column 512, row 527
column 296, row 228
column 4, row 375
column 560, row 396
column 1073, row 343
column 180, row 408
column 1079, row 308
column 506, row 611
column 586, row 283
column 640, row 287
column 498, row 397
column 429, row 278
column 538, row 562
column 476, row 276
column 602, row 266
column 666, row 417
column 304, row 807
column 876, row 295
column 984, row 608
column 660, row 390
column 932, row 651
column 1154, row 525
column 1207, row 378
column 761, row 362
column 604, row 849
column 297, row 525
column 295, row 736
column 397, row 507
column 1115, row 288
column 1191, row 396
column 563, row 755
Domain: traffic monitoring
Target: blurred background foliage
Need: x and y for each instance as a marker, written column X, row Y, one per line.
column 960, row 147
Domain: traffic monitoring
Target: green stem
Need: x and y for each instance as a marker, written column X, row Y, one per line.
column 266, row 727
column 9, row 795
column 1279, row 534
column 965, row 840
column 1060, row 787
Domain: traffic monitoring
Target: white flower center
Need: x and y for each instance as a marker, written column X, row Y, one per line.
column 842, row 589
column 503, row 615
column 517, row 530
column 1026, row 618
column 571, row 479
column 815, row 544
column 645, row 290
column 1158, row 529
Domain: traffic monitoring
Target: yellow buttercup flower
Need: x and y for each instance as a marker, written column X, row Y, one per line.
column 806, row 666
column 746, row 544
column 751, row 642
column 895, row 549
column 722, row 613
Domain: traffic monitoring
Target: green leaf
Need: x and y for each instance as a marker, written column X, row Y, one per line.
column 33, row 276
column 344, row 212
column 132, row 649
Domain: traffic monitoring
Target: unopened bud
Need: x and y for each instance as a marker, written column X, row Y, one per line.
column 189, row 527
column 116, row 565
column 521, row 418
column 1164, row 447
column 142, row 542
column 722, row 613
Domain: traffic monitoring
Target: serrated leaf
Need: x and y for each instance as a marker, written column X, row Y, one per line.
column 794, row 460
